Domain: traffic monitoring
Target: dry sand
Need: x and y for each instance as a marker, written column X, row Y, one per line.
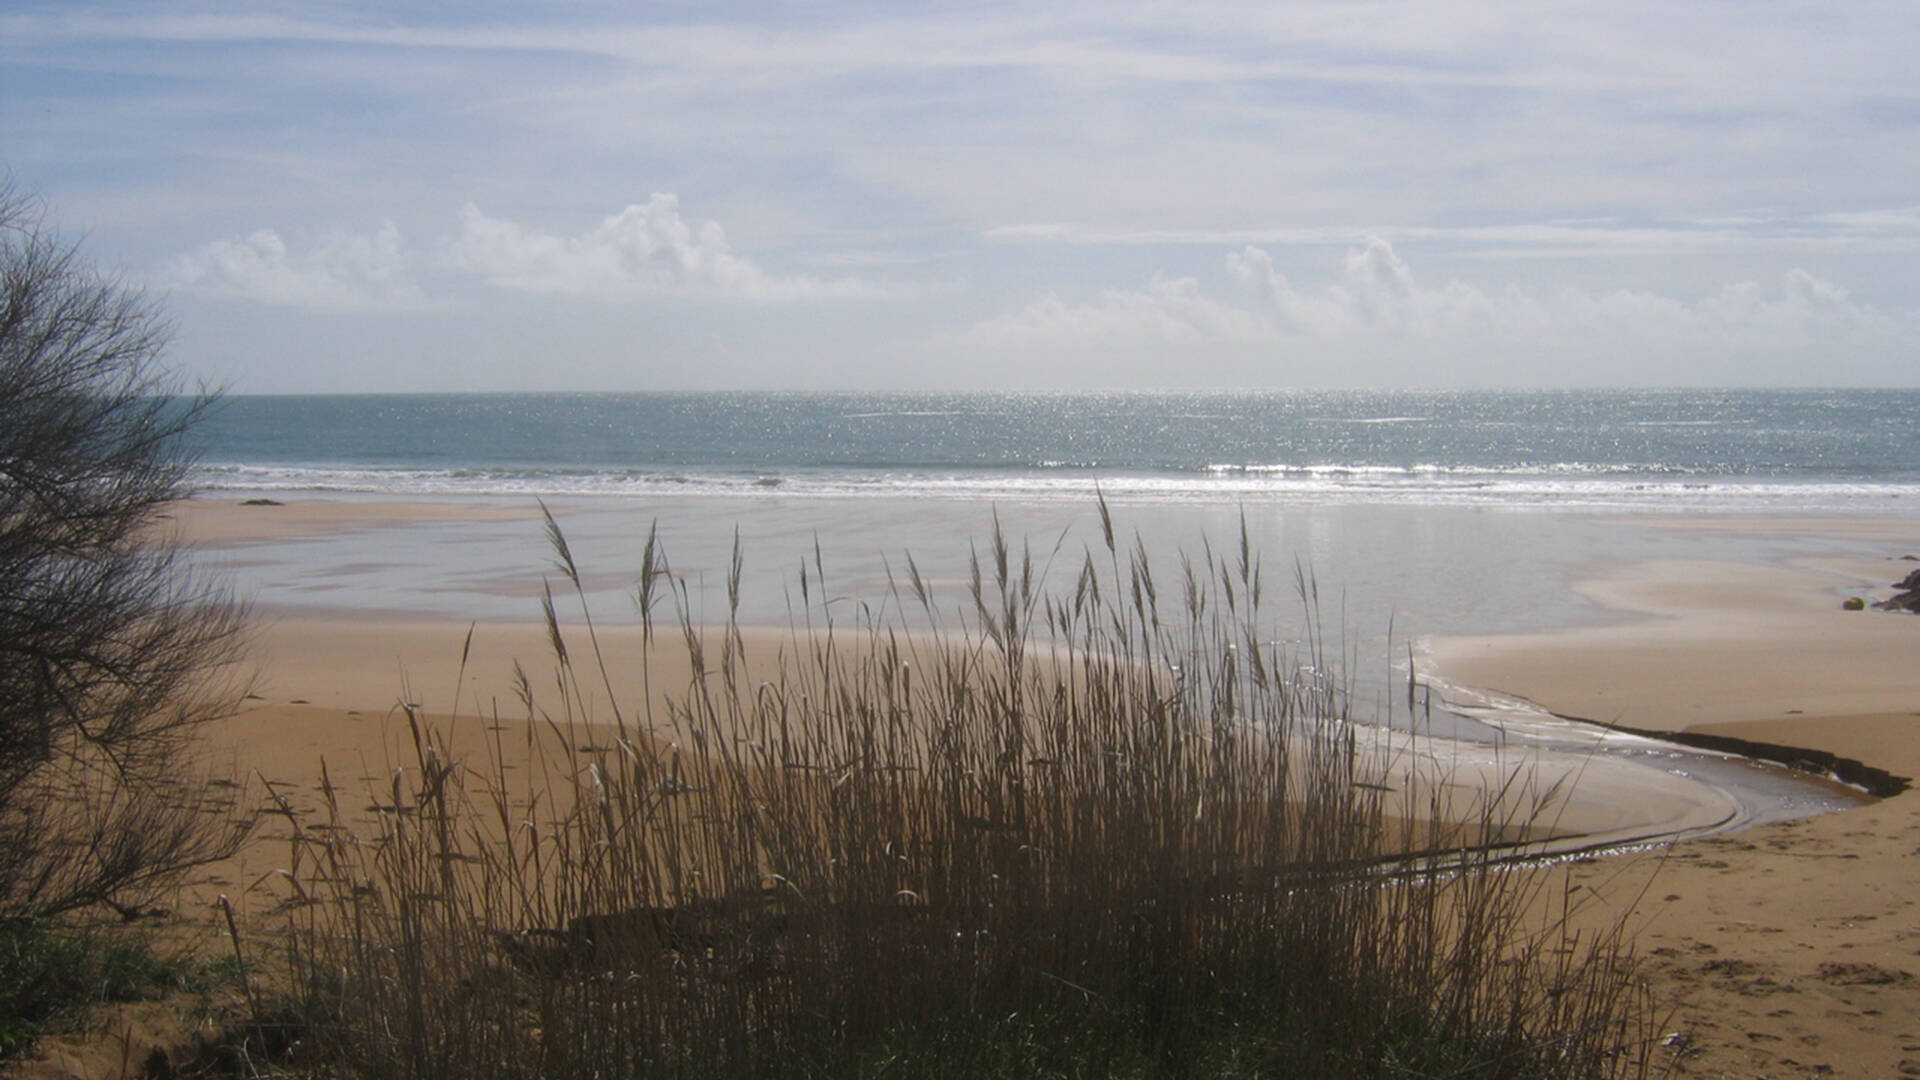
column 1789, row 949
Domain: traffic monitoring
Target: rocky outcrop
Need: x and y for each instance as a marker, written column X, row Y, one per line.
column 1908, row 599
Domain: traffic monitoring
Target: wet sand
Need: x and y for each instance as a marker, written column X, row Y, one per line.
column 1790, row 949
column 342, row 668
column 334, row 689
column 220, row 522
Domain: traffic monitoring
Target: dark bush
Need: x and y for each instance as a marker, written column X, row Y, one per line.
column 109, row 646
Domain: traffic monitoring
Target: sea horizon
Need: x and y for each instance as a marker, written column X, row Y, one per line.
column 1815, row 451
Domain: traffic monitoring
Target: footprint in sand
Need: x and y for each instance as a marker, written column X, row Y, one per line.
column 1862, row 975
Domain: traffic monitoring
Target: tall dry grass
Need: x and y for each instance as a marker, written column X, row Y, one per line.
column 1107, row 828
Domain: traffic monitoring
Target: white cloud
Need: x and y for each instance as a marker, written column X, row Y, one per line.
column 1378, row 323
column 648, row 248
column 336, row 272
column 1169, row 311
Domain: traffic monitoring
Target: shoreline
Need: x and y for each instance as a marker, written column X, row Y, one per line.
column 360, row 659
column 1788, row 948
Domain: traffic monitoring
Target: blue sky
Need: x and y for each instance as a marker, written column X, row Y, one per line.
column 342, row 197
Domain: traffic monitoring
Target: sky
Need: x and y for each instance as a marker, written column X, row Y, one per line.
column 403, row 196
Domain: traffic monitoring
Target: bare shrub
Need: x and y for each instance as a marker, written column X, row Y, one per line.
column 1069, row 832
column 107, row 643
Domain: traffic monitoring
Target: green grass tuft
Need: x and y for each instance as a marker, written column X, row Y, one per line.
column 51, row 977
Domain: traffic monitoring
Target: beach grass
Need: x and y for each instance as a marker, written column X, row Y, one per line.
column 1089, row 823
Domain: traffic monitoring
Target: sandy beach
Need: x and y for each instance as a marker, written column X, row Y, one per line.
column 1789, row 949
column 1784, row 950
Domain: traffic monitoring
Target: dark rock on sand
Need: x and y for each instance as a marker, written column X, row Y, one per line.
column 261, row 502
column 1908, row 599
column 1875, row 781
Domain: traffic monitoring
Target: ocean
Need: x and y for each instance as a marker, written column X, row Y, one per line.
column 1750, row 451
